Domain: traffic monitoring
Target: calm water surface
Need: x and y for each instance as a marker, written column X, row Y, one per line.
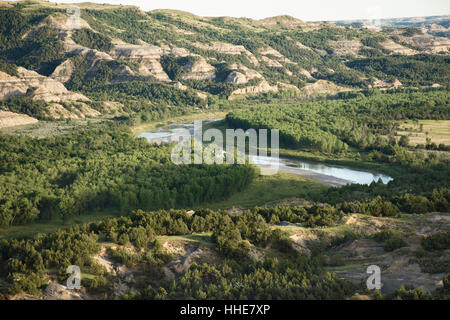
column 351, row 175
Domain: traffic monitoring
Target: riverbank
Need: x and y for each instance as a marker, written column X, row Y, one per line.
column 329, row 175
column 321, row 178
column 179, row 119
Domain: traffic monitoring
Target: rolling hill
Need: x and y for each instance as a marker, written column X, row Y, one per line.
column 121, row 60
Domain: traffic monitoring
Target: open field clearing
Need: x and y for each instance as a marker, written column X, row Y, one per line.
column 266, row 189
column 438, row 131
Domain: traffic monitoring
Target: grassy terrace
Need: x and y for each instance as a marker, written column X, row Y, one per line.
column 269, row 189
column 264, row 190
column 438, row 131
column 30, row 230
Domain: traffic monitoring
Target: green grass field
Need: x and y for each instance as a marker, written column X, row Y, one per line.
column 201, row 238
column 263, row 190
column 267, row 189
column 418, row 132
column 32, row 229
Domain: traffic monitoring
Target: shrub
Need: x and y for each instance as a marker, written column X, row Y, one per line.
column 385, row 235
column 336, row 261
column 394, row 244
column 437, row 241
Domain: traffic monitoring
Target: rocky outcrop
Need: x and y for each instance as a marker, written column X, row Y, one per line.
column 302, row 46
column 152, row 67
column 323, row 87
column 199, row 69
column 272, row 53
column 62, row 103
column 397, row 48
column 270, row 62
column 148, row 56
column 377, row 83
column 299, row 245
column 203, row 96
column 228, row 48
column 307, row 74
column 222, row 47
column 263, row 87
column 346, row 47
column 179, row 85
column 190, row 255
column 58, row 22
column 91, row 55
column 11, row 119
column 11, row 86
column 236, row 78
column 131, row 51
column 123, row 71
column 75, row 110
column 249, row 74
column 37, row 86
column 55, row 291
column 253, row 60
column 63, row 72
column 431, row 44
column 286, row 86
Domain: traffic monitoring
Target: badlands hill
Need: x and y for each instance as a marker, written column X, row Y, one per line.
column 120, row 60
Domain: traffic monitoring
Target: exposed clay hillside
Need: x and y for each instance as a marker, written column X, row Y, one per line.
column 402, row 266
column 61, row 103
column 396, row 48
column 430, row 43
column 348, row 248
column 342, row 48
column 322, row 87
column 192, row 56
column 198, row 69
column 263, row 87
column 37, row 86
column 11, row 119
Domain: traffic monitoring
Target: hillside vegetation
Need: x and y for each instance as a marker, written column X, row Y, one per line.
column 77, row 187
column 121, row 60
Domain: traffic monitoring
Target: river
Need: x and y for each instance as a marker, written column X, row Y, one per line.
column 332, row 175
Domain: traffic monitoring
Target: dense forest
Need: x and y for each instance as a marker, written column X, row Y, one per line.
column 358, row 119
column 61, row 177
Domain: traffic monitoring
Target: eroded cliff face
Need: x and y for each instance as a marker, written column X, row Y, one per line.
column 61, row 103
column 11, row 119
column 228, row 48
column 241, row 74
column 63, row 72
column 396, row 48
column 431, row 44
column 199, row 69
column 152, row 67
column 273, row 59
column 322, row 87
column 262, row 87
column 346, row 47
column 38, row 87
column 425, row 42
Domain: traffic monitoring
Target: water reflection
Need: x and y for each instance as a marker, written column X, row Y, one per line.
column 354, row 176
